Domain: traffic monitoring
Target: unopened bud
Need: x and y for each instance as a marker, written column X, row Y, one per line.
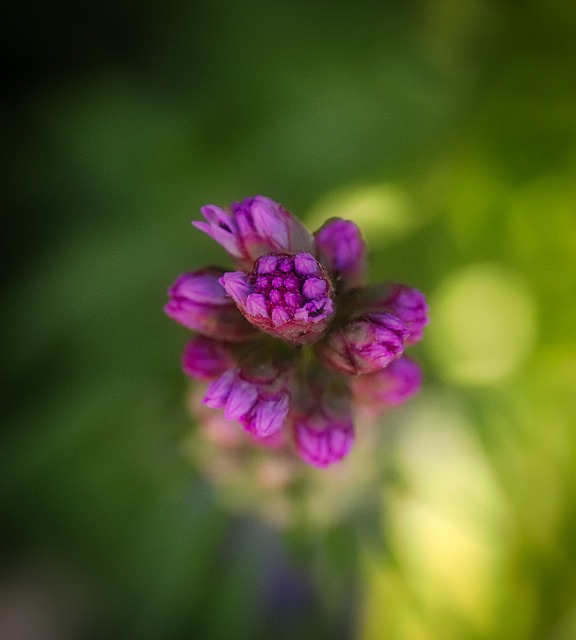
column 198, row 301
column 322, row 426
column 287, row 296
column 363, row 345
column 255, row 226
column 342, row 250
column 408, row 303
column 257, row 397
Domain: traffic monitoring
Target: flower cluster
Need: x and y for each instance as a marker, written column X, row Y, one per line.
column 291, row 342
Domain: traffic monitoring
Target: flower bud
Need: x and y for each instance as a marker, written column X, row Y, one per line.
column 389, row 387
column 257, row 397
column 363, row 345
column 322, row 426
column 215, row 428
column 255, row 226
column 205, row 358
column 198, row 301
column 342, row 250
column 407, row 303
column 287, row 296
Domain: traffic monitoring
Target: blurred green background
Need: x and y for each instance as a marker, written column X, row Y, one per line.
column 447, row 130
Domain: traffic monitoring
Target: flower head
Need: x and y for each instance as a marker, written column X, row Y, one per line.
column 291, row 342
column 289, row 296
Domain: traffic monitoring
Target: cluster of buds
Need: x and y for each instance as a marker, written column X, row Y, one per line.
column 291, row 343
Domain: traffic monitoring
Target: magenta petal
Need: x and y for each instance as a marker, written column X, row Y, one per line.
column 218, row 391
column 267, row 264
column 201, row 287
column 410, row 306
column 198, row 301
column 241, row 399
column 364, row 345
column 279, row 316
column 322, row 418
column 202, row 226
column 301, row 315
column 222, row 237
column 269, row 222
column 279, row 228
column 258, row 397
column 221, row 227
column 408, row 303
column 237, row 286
column 254, row 227
column 269, row 416
column 219, row 217
column 342, row 249
column 321, row 440
column 305, row 265
column 314, row 288
column 256, row 305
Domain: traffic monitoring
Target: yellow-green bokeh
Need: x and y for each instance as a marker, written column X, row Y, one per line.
column 484, row 324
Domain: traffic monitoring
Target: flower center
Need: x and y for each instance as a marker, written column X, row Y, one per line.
column 287, row 282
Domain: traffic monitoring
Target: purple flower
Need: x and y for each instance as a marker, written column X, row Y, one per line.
column 322, row 424
column 407, row 303
column 343, row 250
column 254, row 227
column 199, row 302
column 292, row 341
column 257, row 397
column 289, row 296
column 365, row 344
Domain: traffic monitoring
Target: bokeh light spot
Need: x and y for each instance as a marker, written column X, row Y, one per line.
column 381, row 210
column 483, row 324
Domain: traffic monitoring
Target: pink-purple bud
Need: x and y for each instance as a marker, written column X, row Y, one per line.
column 389, row 387
column 342, row 250
column 198, row 301
column 205, row 358
column 407, row 303
column 216, row 429
column 363, row 345
column 258, row 397
column 288, row 296
column 255, row 226
column 410, row 306
column 323, row 428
